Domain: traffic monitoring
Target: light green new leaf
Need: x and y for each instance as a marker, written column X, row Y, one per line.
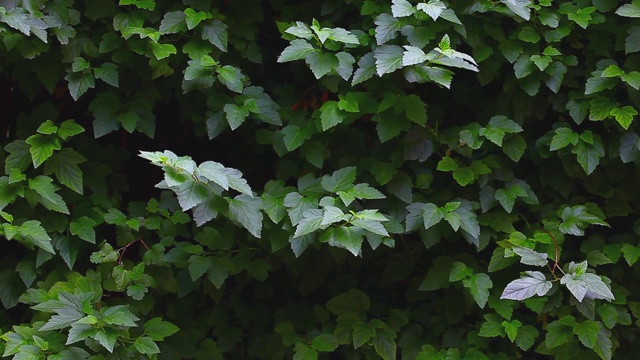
column 624, row 115
column 162, row 51
column 429, row 214
column 246, row 210
column 562, row 138
column 42, row 147
column 511, row 328
column 69, row 128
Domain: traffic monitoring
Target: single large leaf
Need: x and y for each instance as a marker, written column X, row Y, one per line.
column 533, row 283
column 246, row 210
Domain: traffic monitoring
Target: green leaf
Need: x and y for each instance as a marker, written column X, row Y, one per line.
column 231, row 77
column 600, row 109
column 216, row 33
column 479, row 285
column 385, row 344
column 402, row 8
column 497, row 128
column 352, row 302
column 587, row 332
column 64, row 164
column 526, row 337
column 331, row 115
column 69, row 128
column 388, row 59
column 531, row 257
column 340, row 180
column 433, row 8
column 366, row 69
column 173, row 22
column 42, row 147
column 157, row 329
column 236, row 115
column 630, row 10
column 511, row 328
column 146, row 345
column 325, row 343
column 191, row 193
column 632, row 79
column 575, row 218
column 304, row 352
column 533, row 283
column 588, row 155
column 447, row 164
column 464, row 176
column 631, row 253
column 459, row 271
column 34, row 233
column 79, row 83
column 246, row 210
column 348, row 237
column 108, row 72
column 362, row 333
column 562, row 138
column 387, row 28
column 322, row 63
column 162, row 51
column 492, row 327
column 427, row 214
column 141, row 4
column 42, row 185
column 624, row 116
column 198, row 266
column 603, row 346
column 558, row 332
column 83, row 227
column 311, row 221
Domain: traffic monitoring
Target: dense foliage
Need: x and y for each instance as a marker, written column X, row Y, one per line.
column 356, row 179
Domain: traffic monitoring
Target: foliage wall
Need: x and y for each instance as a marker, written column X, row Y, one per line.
column 320, row 179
